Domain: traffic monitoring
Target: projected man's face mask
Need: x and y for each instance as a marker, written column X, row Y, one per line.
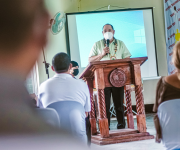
column 108, row 32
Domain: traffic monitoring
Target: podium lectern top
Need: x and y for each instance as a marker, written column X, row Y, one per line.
column 90, row 67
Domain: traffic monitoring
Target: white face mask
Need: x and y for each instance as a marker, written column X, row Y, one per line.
column 108, row 35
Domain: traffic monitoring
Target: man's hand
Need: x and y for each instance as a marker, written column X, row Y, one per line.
column 86, row 114
column 100, row 56
column 105, row 50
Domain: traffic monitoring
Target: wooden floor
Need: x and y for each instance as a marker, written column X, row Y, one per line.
column 120, row 136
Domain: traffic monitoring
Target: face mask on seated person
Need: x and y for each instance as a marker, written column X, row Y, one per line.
column 108, row 35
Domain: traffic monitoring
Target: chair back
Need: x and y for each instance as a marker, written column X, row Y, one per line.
column 49, row 115
column 72, row 117
column 169, row 119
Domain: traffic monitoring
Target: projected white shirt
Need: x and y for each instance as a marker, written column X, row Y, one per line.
column 63, row 87
column 122, row 51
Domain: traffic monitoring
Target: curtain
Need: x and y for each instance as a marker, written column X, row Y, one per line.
column 32, row 82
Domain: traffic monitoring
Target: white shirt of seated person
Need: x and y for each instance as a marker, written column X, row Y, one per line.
column 63, row 87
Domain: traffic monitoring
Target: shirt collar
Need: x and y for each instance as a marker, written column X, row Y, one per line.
column 113, row 41
column 65, row 75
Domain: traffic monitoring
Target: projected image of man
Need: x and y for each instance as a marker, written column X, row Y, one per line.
column 111, row 48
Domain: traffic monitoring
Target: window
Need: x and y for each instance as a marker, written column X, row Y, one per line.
column 139, row 36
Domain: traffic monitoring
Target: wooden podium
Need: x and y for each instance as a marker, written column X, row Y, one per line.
column 117, row 73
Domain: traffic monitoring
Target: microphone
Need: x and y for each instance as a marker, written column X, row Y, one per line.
column 107, row 45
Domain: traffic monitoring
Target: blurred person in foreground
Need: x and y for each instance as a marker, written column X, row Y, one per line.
column 168, row 88
column 23, row 29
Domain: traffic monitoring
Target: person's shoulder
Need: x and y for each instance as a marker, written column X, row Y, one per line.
column 161, row 83
column 119, row 41
column 99, row 42
column 47, row 82
column 169, row 79
column 80, row 83
column 161, row 80
column 172, row 80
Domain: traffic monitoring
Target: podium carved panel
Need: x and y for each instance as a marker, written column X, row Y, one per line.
column 117, row 78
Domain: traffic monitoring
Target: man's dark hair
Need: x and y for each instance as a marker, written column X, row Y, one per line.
column 109, row 25
column 17, row 20
column 61, row 62
column 74, row 64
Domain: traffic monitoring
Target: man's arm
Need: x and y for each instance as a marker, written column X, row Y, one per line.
column 100, row 56
column 126, row 53
column 87, row 105
column 95, row 58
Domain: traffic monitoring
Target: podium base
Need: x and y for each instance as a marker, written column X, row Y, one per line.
column 93, row 126
column 120, row 136
column 104, row 128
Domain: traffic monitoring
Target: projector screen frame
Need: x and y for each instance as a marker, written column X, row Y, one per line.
column 115, row 10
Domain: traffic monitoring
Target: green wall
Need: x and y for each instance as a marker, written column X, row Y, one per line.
column 57, row 43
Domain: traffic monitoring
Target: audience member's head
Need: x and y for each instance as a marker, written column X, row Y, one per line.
column 61, row 63
column 23, row 32
column 176, row 58
column 75, row 68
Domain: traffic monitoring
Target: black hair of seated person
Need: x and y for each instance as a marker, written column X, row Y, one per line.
column 75, row 64
column 61, row 62
column 109, row 25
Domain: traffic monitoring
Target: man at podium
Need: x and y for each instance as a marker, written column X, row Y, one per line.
column 110, row 48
